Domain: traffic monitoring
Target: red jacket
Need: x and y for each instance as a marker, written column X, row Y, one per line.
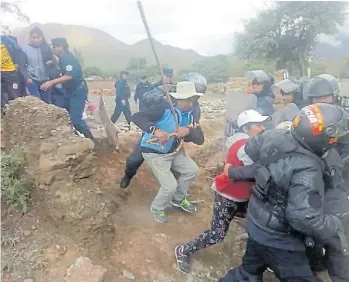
column 239, row 190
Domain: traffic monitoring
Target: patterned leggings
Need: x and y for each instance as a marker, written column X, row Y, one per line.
column 224, row 211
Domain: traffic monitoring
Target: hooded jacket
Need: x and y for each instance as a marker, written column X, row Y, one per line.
column 36, row 65
column 288, row 198
column 238, row 191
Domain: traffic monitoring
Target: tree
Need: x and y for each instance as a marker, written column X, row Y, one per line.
column 288, row 32
column 78, row 54
column 138, row 63
column 11, row 8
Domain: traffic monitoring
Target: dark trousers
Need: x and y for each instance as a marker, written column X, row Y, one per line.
column 134, row 161
column 78, row 98
column 288, row 266
column 10, row 86
column 333, row 261
column 224, row 211
column 34, row 90
column 125, row 109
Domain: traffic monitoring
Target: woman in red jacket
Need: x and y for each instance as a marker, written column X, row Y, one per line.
column 228, row 195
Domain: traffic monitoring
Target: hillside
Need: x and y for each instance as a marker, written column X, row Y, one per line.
column 104, row 51
column 334, row 52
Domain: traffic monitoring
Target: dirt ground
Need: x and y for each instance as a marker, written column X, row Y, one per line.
column 35, row 246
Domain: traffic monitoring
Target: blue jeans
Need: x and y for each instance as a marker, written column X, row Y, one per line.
column 34, row 90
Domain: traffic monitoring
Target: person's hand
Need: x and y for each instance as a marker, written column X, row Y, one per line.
column 16, row 66
column 46, row 85
column 123, row 102
column 182, row 131
column 162, row 136
column 30, row 81
column 226, row 168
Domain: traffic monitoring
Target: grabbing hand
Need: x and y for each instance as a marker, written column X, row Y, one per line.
column 46, row 85
column 182, row 131
column 162, row 136
column 226, row 168
column 30, row 81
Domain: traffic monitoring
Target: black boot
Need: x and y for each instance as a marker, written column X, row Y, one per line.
column 125, row 181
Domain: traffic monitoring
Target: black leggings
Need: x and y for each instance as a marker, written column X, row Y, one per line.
column 224, row 211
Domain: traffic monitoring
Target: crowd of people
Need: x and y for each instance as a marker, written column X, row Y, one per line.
column 287, row 175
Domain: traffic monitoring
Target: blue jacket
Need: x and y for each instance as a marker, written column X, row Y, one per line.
column 122, row 90
column 16, row 53
column 167, row 124
column 162, row 119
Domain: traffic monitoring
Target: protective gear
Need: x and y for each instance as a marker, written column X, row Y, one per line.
column 321, row 86
column 287, row 86
column 198, row 79
column 288, row 195
column 258, row 76
column 321, row 126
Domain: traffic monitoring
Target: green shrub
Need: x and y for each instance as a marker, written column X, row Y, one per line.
column 15, row 189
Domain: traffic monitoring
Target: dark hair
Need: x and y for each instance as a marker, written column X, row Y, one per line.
column 37, row 30
column 124, row 72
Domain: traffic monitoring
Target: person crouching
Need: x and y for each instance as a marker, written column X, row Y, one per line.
column 166, row 154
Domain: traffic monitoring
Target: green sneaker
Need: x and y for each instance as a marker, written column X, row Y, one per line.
column 160, row 216
column 185, row 205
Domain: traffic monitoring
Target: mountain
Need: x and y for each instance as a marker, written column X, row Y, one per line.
column 335, row 48
column 100, row 49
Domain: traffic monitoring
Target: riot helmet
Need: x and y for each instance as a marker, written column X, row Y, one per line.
column 289, row 88
column 321, row 126
column 323, row 85
column 199, row 81
column 258, row 77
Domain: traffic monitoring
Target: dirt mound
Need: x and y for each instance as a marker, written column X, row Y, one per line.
column 60, row 164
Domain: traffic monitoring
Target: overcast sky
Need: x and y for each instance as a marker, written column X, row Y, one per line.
column 205, row 26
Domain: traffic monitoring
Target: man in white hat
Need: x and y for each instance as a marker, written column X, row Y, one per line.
column 161, row 148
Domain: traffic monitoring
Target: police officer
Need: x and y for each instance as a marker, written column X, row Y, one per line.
column 260, row 85
column 324, row 88
column 73, row 82
column 151, row 101
column 287, row 202
column 123, row 95
column 168, row 74
column 142, row 87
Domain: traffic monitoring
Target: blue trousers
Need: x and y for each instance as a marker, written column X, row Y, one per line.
column 34, row 90
column 78, row 98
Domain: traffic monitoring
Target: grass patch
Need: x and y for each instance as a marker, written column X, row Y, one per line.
column 15, row 189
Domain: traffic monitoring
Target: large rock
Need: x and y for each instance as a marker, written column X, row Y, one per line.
column 84, row 271
column 60, row 163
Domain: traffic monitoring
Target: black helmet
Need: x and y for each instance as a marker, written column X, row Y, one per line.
column 321, row 86
column 321, row 126
column 198, row 79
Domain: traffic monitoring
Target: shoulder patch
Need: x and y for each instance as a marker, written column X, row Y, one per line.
column 69, row 68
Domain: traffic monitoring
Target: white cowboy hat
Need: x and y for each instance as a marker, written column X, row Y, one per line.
column 185, row 90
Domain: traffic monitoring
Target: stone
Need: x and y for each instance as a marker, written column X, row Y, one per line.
column 84, row 271
column 128, row 275
column 27, row 233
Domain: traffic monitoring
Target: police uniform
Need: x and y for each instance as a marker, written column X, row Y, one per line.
column 77, row 90
column 122, row 94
